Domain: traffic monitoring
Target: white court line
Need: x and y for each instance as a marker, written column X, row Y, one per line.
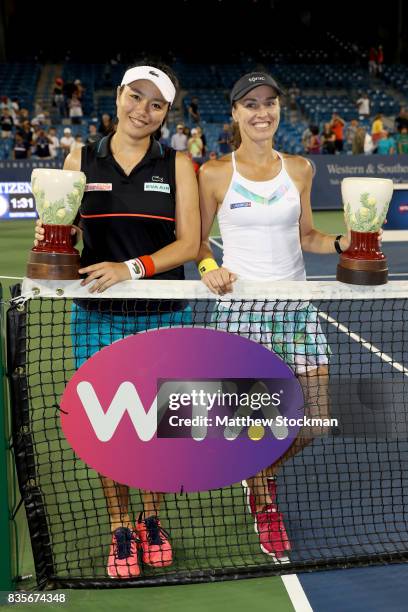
column 296, row 593
column 371, row 347
column 13, row 277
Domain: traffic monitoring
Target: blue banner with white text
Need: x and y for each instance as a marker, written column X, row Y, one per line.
column 329, row 170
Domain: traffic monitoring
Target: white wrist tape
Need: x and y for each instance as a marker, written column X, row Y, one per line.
column 136, row 268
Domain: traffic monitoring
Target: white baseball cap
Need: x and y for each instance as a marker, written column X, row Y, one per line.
column 154, row 75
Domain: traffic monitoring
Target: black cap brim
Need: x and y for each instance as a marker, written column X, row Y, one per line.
column 250, row 81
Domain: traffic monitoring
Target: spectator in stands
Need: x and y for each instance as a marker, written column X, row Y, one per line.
column 4, row 103
column 293, row 93
column 23, row 115
column 106, row 125
column 386, row 144
column 92, row 135
column 314, row 145
column 75, row 109
column 224, row 140
column 328, row 140
column 193, row 110
column 77, row 144
column 363, row 106
column 41, row 147
column 195, row 147
column 15, row 109
column 337, row 125
column 164, row 135
column 402, row 140
column 201, row 135
column 68, row 89
column 351, row 131
column 372, row 61
column 401, row 119
column 20, row 150
column 179, row 140
column 6, row 123
column 357, row 144
column 58, row 98
column 362, row 142
column 42, row 117
column 377, row 129
column 27, row 133
column 196, row 166
column 66, row 142
column 212, row 155
column 79, row 89
column 54, row 142
column 306, row 137
column 380, row 59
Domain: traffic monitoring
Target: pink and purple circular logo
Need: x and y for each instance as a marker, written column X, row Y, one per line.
column 182, row 409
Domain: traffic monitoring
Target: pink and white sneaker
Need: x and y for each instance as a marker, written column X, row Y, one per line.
column 269, row 525
column 123, row 561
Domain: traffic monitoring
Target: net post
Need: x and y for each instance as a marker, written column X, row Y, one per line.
column 6, row 580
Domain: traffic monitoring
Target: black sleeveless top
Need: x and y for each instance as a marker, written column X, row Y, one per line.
column 123, row 217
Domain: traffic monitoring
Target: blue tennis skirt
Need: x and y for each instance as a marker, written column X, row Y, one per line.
column 92, row 330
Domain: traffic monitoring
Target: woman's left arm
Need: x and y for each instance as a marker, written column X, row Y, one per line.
column 311, row 239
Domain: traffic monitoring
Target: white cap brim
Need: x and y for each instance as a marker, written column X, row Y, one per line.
column 154, row 75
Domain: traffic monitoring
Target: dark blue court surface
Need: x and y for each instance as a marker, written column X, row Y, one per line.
column 372, row 589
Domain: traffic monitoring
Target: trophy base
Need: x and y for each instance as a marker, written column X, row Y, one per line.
column 53, row 266
column 362, row 271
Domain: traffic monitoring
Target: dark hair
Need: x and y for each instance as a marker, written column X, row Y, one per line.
column 173, row 78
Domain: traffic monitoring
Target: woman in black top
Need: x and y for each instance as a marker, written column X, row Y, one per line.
column 131, row 229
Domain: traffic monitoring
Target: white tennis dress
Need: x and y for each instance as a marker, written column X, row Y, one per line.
column 259, row 225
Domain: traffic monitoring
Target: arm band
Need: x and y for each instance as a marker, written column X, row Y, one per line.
column 141, row 267
column 206, row 265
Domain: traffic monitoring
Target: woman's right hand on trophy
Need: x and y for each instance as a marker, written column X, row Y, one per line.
column 76, row 233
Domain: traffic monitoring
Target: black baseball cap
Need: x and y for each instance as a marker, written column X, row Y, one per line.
column 251, row 80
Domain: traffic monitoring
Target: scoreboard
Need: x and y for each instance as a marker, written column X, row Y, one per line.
column 17, row 201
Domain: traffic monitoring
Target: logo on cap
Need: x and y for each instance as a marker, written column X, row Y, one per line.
column 258, row 78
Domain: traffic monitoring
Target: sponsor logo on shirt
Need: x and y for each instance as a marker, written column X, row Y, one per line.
column 98, row 187
column 162, row 187
column 157, row 179
column 240, row 205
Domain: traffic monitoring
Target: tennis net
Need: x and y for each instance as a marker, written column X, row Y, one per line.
column 343, row 495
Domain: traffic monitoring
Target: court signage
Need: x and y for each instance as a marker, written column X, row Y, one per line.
column 182, row 409
column 329, row 170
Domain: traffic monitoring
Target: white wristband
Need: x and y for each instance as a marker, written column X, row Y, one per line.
column 136, row 268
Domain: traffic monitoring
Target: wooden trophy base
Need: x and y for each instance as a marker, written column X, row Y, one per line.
column 53, row 266
column 362, row 271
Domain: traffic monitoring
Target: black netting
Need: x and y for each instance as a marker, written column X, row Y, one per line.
column 342, row 495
